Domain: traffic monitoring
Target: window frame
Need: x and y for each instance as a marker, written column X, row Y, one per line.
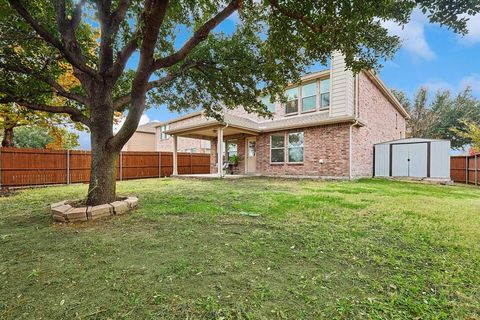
column 320, row 93
column 288, row 147
column 163, row 135
column 298, row 99
column 301, row 97
column 228, row 152
column 277, row 148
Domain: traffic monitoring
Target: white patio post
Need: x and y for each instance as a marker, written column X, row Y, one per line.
column 175, row 167
column 220, row 151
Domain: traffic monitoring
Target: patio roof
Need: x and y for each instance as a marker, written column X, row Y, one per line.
column 234, row 124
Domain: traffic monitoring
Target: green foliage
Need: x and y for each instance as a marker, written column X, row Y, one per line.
column 374, row 249
column 270, row 47
column 31, row 137
column 42, row 137
column 445, row 117
column 472, row 133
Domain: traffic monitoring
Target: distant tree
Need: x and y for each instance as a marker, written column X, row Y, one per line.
column 442, row 118
column 44, row 138
column 471, row 133
column 31, row 137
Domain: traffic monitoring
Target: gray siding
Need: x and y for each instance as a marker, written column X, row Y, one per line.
column 342, row 87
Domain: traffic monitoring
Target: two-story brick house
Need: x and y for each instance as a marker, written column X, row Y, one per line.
column 327, row 128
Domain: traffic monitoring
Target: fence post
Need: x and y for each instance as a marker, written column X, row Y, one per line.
column 159, row 164
column 121, row 166
column 68, row 166
column 476, row 170
column 0, row 168
column 466, row 169
column 191, row 164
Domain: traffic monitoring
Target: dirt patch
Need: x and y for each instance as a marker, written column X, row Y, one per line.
column 6, row 192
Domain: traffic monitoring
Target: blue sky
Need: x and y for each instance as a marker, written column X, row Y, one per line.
column 430, row 56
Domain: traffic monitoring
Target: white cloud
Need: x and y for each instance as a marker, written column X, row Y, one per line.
column 143, row 119
column 472, row 81
column 436, row 84
column 412, row 36
column 473, row 26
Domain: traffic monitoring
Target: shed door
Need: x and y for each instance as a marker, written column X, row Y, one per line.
column 418, row 160
column 400, row 160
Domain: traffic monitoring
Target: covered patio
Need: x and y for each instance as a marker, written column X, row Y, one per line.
column 233, row 137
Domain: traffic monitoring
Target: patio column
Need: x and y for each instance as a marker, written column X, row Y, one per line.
column 175, row 166
column 220, row 148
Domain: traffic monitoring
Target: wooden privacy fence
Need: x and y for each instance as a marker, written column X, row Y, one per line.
column 465, row 169
column 29, row 167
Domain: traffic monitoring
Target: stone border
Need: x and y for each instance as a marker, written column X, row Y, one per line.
column 63, row 212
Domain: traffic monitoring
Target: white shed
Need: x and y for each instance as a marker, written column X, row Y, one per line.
column 414, row 157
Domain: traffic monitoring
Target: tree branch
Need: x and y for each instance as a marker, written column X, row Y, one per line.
column 296, row 16
column 199, row 35
column 120, row 102
column 124, row 55
column 75, row 114
column 51, row 39
column 77, row 14
column 52, row 83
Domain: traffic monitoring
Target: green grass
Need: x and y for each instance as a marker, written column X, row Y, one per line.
column 335, row 250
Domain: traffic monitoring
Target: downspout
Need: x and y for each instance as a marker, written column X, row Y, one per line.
column 350, row 150
column 356, row 112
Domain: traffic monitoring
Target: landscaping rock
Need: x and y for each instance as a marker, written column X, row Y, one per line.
column 119, row 207
column 76, row 214
column 100, row 211
column 132, row 202
column 58, row 204
column 60, row 210
column 58, row 218
column 63, row 211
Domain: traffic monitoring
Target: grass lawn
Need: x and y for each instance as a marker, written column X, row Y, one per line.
column 248, row 248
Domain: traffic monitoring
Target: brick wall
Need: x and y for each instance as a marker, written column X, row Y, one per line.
column 384, row 123
column 329, row 143
column 184, row 144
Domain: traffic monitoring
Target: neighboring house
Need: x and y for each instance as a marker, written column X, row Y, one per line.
column 152, row 137
column 143, row 139
column 327, row 128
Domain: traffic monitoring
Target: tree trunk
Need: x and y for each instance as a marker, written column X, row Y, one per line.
column 103, row 173
column 7, row 137
column 103, row 169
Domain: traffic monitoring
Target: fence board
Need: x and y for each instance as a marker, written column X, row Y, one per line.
column 28, row 167
column 463, row 169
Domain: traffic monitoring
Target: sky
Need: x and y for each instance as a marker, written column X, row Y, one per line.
column 430, row 56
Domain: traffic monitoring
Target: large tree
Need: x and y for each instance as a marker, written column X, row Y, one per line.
column 444, row 117
column 270, row 47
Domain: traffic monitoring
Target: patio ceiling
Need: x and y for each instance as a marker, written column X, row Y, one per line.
column 210, row 130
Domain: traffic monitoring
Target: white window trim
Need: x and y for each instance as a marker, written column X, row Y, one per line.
column 299, row 103
column 288, row 147
column 277, row 148
column 316, row 97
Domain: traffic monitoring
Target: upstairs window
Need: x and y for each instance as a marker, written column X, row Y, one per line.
column 163, row 135
column 309, row 97
column 277, row 148
column 270, row 105
column 324, row 94
column 292, row 101
column 295, row 147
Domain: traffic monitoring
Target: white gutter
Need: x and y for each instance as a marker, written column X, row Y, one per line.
column 350, row 150
column 356, row 106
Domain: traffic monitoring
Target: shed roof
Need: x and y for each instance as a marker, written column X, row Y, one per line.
column 410, row 140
